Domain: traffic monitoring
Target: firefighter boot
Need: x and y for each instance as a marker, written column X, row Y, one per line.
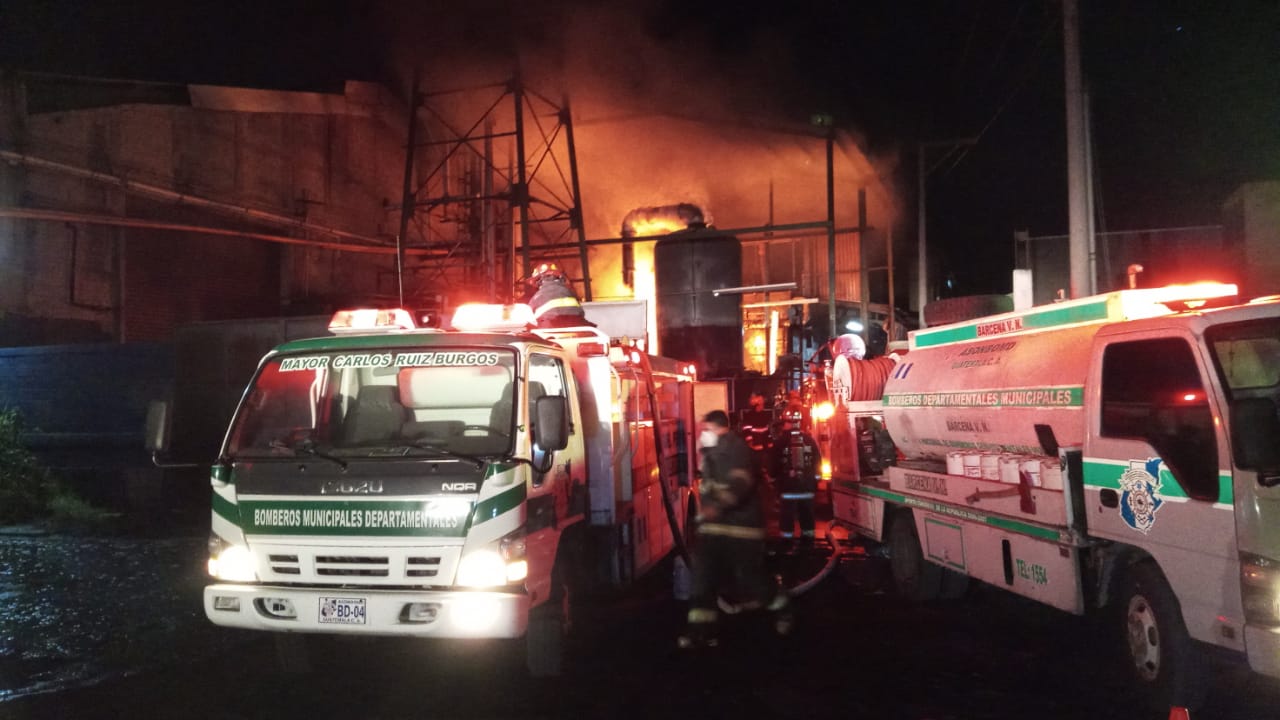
column 701, row 631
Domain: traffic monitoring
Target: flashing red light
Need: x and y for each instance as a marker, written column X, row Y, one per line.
column 1190, row 397
column 635, row 357
column 590, row 349
column 490, row 317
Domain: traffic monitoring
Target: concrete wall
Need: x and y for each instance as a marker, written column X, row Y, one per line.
column 336, row 164
column 1252, row 222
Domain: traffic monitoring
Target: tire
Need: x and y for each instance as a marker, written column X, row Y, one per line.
column 1163, row 661
column 959, row 309
column 293, row 653
column 914, row 578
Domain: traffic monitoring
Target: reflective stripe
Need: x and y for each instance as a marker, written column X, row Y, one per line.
column 557, row 303
column 733, row 531
column 779, row 601
column 797, row 496
column 702, row 615
column 788, row 534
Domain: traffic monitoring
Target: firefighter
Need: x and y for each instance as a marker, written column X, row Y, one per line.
column 794, row 464
column 552, row 298
column 728, row 554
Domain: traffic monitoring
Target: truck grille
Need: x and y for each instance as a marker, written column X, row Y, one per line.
column 339, row 566
column 351, row 566
column 422, row 566
column 285, row 564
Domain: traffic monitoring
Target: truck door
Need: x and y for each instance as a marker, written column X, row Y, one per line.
column 558, row 494
column 1153, row 468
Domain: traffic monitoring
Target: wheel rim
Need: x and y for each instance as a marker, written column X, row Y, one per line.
column 1144, row 638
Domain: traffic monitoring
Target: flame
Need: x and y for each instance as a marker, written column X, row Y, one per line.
column 650, row 221
column 655, row 226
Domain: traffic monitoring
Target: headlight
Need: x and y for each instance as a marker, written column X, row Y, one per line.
column 1260, row 589
column 493, row 568
column 233, row 563
column 482, row 568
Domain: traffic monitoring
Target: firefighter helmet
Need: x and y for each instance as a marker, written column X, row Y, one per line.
column 548, row 271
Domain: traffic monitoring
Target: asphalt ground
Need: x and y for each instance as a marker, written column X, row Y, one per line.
column 857, row 652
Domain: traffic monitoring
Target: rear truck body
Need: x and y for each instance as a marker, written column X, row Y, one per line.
column 1116, row 454
column 447, row 484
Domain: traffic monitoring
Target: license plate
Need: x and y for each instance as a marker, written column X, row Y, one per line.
column 342, row 611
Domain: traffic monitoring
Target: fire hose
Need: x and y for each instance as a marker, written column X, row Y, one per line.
column 672, row 515
column 837, row 552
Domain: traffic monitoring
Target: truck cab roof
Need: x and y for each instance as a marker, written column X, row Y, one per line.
column 412, row 338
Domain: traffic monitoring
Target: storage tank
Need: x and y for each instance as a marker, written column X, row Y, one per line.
column 987, row 395
column 694, row 324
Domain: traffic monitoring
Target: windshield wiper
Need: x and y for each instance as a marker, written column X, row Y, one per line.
column 308, row 446
column 423, row 445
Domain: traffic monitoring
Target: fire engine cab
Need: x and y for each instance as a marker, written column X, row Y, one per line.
column 460, row 483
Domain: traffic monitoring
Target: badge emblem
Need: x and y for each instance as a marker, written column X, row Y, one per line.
column 1140, row 498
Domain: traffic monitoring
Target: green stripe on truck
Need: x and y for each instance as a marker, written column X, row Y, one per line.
column 1015, row 526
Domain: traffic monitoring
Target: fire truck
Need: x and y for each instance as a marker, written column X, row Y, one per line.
column 391, row 480
column 1116, row 454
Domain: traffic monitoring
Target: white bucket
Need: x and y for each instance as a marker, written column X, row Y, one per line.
column 1031, row 466
column 1009, row 467
column 990, row 466
column 1051, row 474
column 973, row 465
column 955, row 463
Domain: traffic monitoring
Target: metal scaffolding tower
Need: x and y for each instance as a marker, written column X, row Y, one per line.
column 491, row 190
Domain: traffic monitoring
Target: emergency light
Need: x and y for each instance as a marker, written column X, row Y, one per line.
column 371, row 319
column 1185, row 297
column 484, row 316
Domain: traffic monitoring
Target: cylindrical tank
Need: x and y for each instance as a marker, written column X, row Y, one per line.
column 1010, row 468
column 989, row 394
column 694, row 324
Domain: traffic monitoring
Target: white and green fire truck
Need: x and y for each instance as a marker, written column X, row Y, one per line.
column 1116, row 454
column 456, row 483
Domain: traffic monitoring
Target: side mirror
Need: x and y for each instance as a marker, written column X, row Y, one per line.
column 551, row 423
column 1255, row 437
column 157, row 437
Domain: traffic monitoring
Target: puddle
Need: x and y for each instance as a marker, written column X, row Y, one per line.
column 75, row 611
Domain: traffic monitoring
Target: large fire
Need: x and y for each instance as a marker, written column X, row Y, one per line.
column 653, row 221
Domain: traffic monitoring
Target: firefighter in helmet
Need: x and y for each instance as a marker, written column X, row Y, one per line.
column 554, row 303
column 795, row 465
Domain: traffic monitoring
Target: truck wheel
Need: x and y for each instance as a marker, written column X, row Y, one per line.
column 1163, row 660
column 914, row 578
column 293, row 653
column 549, row 625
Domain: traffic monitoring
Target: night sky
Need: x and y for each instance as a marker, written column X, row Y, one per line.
column 1185, row 93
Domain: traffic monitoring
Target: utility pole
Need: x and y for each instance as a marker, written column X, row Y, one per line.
column 1077, row 166
column 407, row 198
column 827, row 122
column 922, row 149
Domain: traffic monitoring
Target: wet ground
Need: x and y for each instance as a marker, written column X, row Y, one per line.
column 857, row 653
column 76, row 611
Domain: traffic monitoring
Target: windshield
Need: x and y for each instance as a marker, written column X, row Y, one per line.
column 1247, row 357
column 376, row 402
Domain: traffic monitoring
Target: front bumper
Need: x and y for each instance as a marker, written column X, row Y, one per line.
column 457, row 614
